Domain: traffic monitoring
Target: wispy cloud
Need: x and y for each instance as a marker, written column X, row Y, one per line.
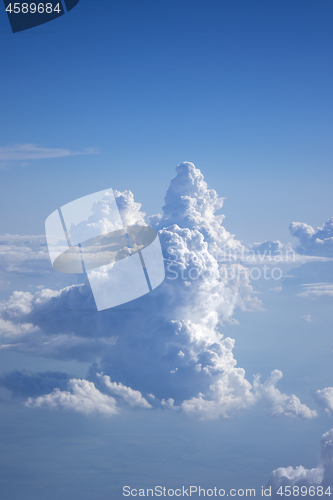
column 316, row 290
column 21, row 152
column 307, row 318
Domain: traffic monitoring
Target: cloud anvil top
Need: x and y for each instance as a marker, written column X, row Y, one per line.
column 122, row 262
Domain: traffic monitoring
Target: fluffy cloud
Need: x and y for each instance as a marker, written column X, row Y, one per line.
column 228, row 389
column 312, row 241
column 131, row 397
column 104, row 217
column 290, row 476
column 300, row 476
column 277, row 403
column 312, row 256
column 268, row 247
column 167, row 343
column 229, row 393
column 324, row 398
column 130, row 210
column 190, row 204
column 81, row 396
column 9, row 329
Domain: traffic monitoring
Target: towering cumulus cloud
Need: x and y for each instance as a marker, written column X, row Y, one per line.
column 168, row 345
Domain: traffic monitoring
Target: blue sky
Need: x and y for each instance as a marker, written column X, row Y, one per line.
column 242, row 89
column 117, row 94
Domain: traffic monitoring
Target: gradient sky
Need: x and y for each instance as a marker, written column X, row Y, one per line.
column 130, row 89
column 240, row 88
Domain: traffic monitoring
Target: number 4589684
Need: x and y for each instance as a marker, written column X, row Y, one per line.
column 32, row 8
column 303, row 491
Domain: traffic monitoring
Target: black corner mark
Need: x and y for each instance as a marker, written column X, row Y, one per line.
column 70, row 4
column 29, row 14
column 26, row 15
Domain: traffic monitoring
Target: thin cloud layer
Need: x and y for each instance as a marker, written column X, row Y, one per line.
column 24, row 254
column 316, row 290
column 34, row 152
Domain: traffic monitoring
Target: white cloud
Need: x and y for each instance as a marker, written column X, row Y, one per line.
column 82, row 397
column 232, row 392
column 8, row 329
column 313, row 254
column 277, row 403
column 295, row 476
column 324, row 398
column 276, row 289
column 228, row 390
column 307, row 318
column 130, row 210
column 139, row 344
column 35, row 152
column 300, row 476
column 130, row 396
column 270, row 248
column 316, row 290
column 312, row 241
